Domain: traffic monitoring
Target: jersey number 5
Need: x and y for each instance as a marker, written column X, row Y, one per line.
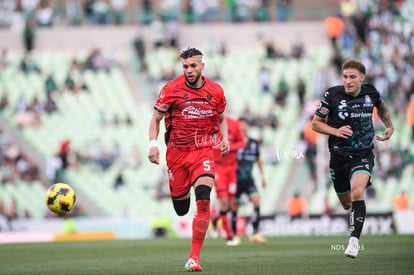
column 207, row 166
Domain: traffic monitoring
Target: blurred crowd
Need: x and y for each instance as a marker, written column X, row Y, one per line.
column 14, row 164
column 382, row 37
column 47, row 13
column 28, row 112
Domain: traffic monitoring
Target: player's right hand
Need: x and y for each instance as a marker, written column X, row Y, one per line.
column 263, row 182
column 344, row 132
column 224, row 147
column 154, row 155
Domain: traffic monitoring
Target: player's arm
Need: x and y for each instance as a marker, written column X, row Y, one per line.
column 224, row 145
column 238, row 145
column 260, row 165
column 319, row 125
column 154, row 130
column 384, row 115
column 240, row 142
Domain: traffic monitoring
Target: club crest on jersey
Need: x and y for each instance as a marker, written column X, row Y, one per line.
column 368, row 101
column 209, row 97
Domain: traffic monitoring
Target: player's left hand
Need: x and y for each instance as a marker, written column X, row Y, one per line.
column 386, row 134
column 225, row 147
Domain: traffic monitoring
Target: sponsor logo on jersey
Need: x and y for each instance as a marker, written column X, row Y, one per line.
column 322, row 109
column 162, row 107
column 360, row 115
column 206, row 140
column 194, row 112
column 343, row 114
column 360, row 219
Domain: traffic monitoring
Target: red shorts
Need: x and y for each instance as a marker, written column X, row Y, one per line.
column 225, row 181
column 185, row 167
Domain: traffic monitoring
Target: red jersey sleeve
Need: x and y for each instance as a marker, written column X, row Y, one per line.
column 238, row 140
column 221, row 101
column 165, row 99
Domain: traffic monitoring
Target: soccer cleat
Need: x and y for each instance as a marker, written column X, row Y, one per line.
column 257, row 238
column 233, row 242
column 237, row 239
column 192, row 265
column 213, row 233
column 353, row 248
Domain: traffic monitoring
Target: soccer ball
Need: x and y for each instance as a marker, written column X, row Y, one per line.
column 60, row 198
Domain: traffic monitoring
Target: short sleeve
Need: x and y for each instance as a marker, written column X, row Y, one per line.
column 324, row 106
column 377, row 98
column 164, row 99
column 221, row 100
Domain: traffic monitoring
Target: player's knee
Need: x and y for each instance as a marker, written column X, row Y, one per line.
column 202, row 192
column 181, row 207
column 357, row 194
column 255, row 199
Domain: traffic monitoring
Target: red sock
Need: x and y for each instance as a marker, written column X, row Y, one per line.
column 226, row 225
column 201, row 221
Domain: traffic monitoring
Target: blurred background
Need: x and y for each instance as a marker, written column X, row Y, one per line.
column 79, row 78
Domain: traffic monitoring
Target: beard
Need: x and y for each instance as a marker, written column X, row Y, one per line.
column 197, row 77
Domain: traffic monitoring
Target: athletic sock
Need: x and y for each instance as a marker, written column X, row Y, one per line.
column 234, row 221
column 357, row 218
column 256, row 220
column 226, row 225
column 214, row 221
column 201, row 221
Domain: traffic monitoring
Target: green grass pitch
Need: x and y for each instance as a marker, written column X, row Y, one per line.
column 391, row 254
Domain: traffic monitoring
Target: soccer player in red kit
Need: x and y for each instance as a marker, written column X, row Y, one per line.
column 225, row 181
column 194, row 110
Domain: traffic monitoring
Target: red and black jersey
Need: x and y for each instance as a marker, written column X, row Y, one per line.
column 191, row 114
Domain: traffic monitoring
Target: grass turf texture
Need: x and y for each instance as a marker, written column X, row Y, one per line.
column 391, row 254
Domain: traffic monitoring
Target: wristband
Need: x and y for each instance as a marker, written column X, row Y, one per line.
column 153, row 143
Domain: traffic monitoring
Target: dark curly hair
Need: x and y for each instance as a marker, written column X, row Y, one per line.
column 190, row 52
